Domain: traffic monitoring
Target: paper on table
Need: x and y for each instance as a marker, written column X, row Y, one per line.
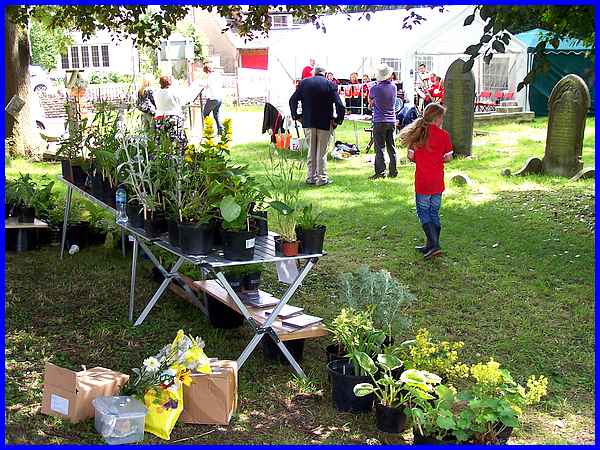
column 287, row 271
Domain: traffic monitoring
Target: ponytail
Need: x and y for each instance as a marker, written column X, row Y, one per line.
column 415, row 135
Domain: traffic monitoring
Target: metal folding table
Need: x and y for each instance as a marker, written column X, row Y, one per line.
column 264, row 252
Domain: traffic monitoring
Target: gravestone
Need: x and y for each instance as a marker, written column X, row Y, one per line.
column 567, row 109
column 460, row 111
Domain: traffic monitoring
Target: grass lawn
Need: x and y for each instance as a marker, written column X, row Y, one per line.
column 516, row 282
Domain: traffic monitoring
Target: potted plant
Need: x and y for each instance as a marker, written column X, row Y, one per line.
column 10, row 197
column 30, row 196
column 310, row 231
column 238, row 240
column 379, row 293
column 393, row 394
column 71, row 149
column 285, row 218
column 354, row 332
column 252, row 275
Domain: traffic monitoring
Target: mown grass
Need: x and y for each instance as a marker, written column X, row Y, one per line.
column 516, row 283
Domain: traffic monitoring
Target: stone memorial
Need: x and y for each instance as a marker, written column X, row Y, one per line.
column 460, row 111
column 567, row 108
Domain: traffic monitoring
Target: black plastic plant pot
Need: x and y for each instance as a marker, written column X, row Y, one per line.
column 222, row 316
column 343, row 381
column 419, row 439
column 195, row 238
column 79, row 176
column 217, row 224
column 238, row 245
column 67, row 170
column 155, row 226
column 235, row 281
column 110, row 194
column 334, row 353
column 252, row 281
column 26, row 214
column 98, row 186
column 278, row 242
column 390, row 420
column 311, row 241
column 273, row 353
column 260, row 224
column 135, row 216
column 78, row 234
column 173, row 232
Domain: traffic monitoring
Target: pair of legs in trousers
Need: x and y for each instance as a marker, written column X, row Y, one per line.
column 318, row 142
column 383, row 137
column 213, row 106
column 428, row 211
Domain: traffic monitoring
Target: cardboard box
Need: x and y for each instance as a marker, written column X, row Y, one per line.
column 69, row 394
column 211, row 399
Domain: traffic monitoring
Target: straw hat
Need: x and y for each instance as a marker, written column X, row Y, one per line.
column 383, row 72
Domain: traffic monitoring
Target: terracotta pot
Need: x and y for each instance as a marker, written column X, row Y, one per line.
column 289, row 248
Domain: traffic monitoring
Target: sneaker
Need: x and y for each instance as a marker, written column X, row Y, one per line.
column 324, row 183
column 376, row 176
column 393, row 175
column 310, row 181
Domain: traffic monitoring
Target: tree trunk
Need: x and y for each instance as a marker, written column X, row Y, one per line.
column 23, row 133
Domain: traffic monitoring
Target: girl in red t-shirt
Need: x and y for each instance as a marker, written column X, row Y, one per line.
column 428, row 147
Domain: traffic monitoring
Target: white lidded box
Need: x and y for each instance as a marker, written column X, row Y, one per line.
column 120, row 420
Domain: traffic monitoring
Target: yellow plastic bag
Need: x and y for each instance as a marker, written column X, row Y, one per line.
column 164, row 408
column 191, row 354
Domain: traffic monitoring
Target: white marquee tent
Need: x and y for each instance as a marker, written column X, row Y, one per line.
column 355, row 44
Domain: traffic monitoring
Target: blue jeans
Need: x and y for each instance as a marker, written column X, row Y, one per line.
column 213, row 106
column 428, row 208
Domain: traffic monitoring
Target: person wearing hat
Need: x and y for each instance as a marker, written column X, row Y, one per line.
column 382, row 99
column 319, row 97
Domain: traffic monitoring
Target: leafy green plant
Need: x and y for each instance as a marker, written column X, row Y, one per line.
column 102, row 141
column 309, row 219
column 353, row 331
column 413, row 387
column 441, row 357
column 27, row 192
column 380, row 295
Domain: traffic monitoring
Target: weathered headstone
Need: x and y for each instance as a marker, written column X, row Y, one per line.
column 461, row 180
column 532, row 166
column 567, row 109
column 459, row 102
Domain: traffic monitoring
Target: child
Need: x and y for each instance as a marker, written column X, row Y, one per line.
column 429, row 147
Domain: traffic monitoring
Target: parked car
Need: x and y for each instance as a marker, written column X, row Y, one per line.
column 40, row 81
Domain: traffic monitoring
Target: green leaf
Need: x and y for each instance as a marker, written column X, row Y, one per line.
column 469, row 20
column 488, row 57
column 366, row 363
column 473, row 50
column 363, row 389
column 281, row 208
column 230, row 210
column 445, row 421
column 520, row 86
column 485, row 38
column 389, row 362
column 498, row 46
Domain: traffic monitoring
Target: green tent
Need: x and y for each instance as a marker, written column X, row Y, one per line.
column 569, row 57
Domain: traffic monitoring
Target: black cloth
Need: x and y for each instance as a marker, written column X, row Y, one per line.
column 318, row 95
column 272, row 120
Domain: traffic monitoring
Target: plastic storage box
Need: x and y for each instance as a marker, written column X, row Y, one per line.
column 120, row 420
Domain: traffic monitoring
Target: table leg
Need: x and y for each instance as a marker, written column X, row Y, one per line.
column 133, row 274
column 123, row 251
column 164, row 285
column 68, row 197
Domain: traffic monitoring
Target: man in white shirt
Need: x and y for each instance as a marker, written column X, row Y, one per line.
column 214, row 96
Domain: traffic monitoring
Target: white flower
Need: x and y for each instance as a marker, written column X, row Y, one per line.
column 151, row 364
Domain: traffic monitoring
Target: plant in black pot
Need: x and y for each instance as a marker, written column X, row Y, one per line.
column 10, row 197
column 32, row 197
column 238, row 240
column 310, row 230
column 71, row 149
column 353, row 331
column 251, row 277
column 393, row 395
column 382, row 296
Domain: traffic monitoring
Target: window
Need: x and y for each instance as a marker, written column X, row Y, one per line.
column 64, row 61
column 95, row 56
column 105, row 60
column 427, row 60
column 394, row 63
column 75, row 57
column 280, row 21
column 85, row 56
column 494, row 76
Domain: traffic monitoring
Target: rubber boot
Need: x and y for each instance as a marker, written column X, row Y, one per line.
column 434, row 248
column 438, row 229
column 423, row 248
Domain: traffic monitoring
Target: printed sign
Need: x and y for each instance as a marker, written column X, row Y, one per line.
column 59, row 404
column 249, row 243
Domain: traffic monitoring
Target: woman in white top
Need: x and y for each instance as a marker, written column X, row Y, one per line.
column 169, row 109
column 214, row 96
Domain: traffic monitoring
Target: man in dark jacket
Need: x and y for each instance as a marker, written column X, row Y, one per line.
column 318, row 97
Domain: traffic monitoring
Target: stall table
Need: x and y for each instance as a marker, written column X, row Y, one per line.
column 219, row 288
column 24, row 237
